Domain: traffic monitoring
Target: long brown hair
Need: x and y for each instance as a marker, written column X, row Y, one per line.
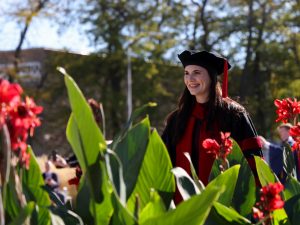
column 216, row 106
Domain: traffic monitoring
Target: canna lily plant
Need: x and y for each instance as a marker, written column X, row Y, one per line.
column 131, row 181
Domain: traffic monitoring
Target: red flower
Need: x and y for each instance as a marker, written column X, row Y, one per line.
column 295, row 133
column 211, row 146
column 257, row 214
column 20, row 117
column 23, row 118
column 9, row 93
column 9, row 96
column 219, row 150
column 270, row 199
column 287, row 109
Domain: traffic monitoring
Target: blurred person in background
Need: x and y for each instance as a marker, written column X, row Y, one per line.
column 273, row 152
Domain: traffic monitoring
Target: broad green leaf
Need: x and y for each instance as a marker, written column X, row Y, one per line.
column 236, row 156
column 12, row 205
column 292, row 209
column 73, row 136
column 264, row 172
column 121, row 214
column 291, row 188
column 139, row 112
column 185, row 184
column 155, row 173
column 195, row 177
column 85, row 137
column 154, row 208
column 61, row 215
column 192, row 212
column 245, row 190
column 83, row 201
column 24, row 214
column 221, row 214
column 131, row 151
column 229, row 179
column 90, row 211
column 89, row 146
column 103, row 211
column 32, row 181
column 280, row 217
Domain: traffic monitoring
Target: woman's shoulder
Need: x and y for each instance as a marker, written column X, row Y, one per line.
column 232, row 107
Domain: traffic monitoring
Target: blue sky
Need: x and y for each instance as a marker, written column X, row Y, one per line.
column 42, row 33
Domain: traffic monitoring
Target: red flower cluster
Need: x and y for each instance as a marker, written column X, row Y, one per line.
column 270, row 200
column 287, row 109
column 20, row 117
column 219, row 150
column 295, row 133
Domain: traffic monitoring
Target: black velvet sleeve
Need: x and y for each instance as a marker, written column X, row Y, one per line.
column 167, row 137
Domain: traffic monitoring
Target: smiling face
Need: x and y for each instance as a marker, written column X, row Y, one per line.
column 197, row 80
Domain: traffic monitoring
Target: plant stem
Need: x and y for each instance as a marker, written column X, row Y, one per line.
column 263, row 220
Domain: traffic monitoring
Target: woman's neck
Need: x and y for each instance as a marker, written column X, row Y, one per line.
column 202, row 99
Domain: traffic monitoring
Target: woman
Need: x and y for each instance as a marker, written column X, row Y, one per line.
column 203, row 111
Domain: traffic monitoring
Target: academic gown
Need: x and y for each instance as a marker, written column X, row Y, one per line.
column 238, row 124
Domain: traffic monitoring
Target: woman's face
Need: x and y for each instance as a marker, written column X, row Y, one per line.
column 197, row 80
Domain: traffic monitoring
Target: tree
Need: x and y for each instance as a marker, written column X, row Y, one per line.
column 24, row 12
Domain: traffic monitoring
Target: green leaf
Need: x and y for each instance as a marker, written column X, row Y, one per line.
column 236, row 156
column 83, row 201
column 32, row 186
column 154, row 173
column 154, row 208
column 85, row 137
column 265, row 174
column 221, row 214
column 12, row 204
column 292, row 209
column 24, row 214
column 229, row 179
column 89, row 145
column 288, row 160
column 73, row 136
column 131, row 150
column 90, row 211
column 291, row 188
column 141, row 111
column 192, row 212
column 104, row 210
column 280, row 217
column 186, row 185
column 61, row 215
column 245, row 190
column 195, row 177
column 121, row 214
